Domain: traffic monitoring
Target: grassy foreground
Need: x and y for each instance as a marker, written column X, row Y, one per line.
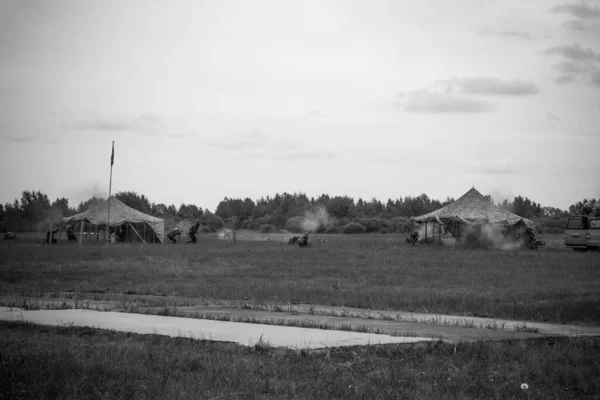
column 379, row 272
column 81, row 363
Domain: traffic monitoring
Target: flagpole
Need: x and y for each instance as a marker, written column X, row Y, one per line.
column 112, row 161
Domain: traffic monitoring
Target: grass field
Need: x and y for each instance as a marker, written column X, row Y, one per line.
column 371, row 271
column 82, row 363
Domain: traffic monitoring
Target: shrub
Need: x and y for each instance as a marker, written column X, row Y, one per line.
column 332, row 229
column 266, row 228
column 375, row 224
column 354, row 227
column 384, row 231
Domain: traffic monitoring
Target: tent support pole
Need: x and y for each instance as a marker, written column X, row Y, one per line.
column 127, row 233
column 440, row 234
column 144, row 232
column 154, row 234
column 80, row 233
column 136, row 232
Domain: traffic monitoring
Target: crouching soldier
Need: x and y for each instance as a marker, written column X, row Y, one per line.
column 173, row 234
column 303, row 241
column 71, row 233
column 193, row 232
column 48, row 234
column 412, row 239
column 10, row 236
column 293, row 240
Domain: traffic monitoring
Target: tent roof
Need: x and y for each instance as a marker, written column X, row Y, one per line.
column 473, row 207
column 119, row 214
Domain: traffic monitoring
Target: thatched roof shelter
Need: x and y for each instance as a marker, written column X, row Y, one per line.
column 467, row 217
column 473, row 207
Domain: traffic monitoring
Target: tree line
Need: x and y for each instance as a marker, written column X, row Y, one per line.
column 280, row 211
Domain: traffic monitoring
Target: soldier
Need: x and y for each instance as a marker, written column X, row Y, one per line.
column 293, row 240
column 193, row 231
column 70, row 233
column 54, row 241
column 174, row 233
column 303, row 241
column 412, row 239
column 10, row 236
column 120, row 234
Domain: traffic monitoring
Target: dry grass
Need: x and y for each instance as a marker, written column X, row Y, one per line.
column 551, row 285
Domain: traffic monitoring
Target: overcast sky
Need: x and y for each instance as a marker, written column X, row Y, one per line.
column 207, row 99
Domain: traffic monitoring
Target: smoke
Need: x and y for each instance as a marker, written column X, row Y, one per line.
column 499, row 195
column 313, row 220
column 52, row 217
column 491, row 237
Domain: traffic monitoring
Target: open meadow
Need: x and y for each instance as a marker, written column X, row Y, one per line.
column 371, row 272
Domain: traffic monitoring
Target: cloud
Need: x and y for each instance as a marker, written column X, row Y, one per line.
column 580, row 63
column 426, row 101
column 511, row 34
column 53, row 142
column 583, row 25
column 383, row 168
column 149, row 124
column 578, row 10
column 490, row 167
column 179, row 135
column 574, row 52
column 20, row 139
column 487, row 86
column 258, row 144
column 551, row 117
column 564, row 79
column 314, row 113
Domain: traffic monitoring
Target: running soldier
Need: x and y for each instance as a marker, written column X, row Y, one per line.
column 193, row 231
column 54, row 241
column 71, row 233
column 173, row 234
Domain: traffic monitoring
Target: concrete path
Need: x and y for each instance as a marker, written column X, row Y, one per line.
column 244, row 334
column 395, row 323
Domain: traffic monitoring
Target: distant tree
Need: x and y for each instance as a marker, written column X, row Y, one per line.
column 341, row 207
column 189, row 211
column 136, row 201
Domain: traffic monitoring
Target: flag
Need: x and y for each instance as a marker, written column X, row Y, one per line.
column 112, row 156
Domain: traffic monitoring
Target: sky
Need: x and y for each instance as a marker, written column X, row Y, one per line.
column 239, row 98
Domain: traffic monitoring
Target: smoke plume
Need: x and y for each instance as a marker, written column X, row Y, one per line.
column 313, row 220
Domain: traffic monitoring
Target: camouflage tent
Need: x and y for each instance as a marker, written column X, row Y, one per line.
column 472, row 213
column 122, row 217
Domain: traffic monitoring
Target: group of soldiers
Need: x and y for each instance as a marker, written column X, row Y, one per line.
column 301, row 241
column 176, row 232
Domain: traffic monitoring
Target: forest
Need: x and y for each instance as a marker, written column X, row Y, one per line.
column 282, row 211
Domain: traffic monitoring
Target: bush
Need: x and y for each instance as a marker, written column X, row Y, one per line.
column 375, row 224
column 384, row 231
column 266, row 228
column 354, row 227
column 206, row 229
column 332, row 229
